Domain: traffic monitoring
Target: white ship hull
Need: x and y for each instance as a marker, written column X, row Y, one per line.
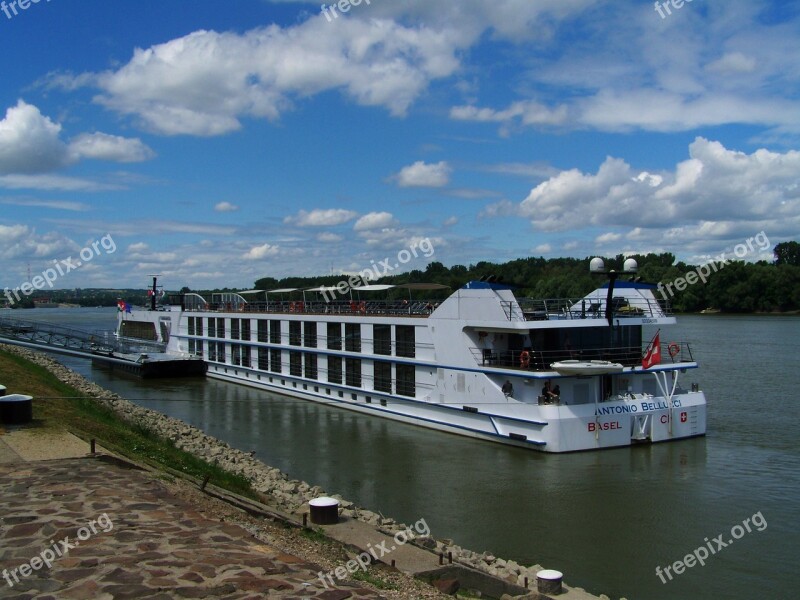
column 453, row 378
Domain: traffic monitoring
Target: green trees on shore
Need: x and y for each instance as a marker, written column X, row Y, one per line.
column 733, row 286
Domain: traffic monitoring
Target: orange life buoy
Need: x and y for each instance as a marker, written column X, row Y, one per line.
column 363, row 307
column 525, row 359
column 674, row 349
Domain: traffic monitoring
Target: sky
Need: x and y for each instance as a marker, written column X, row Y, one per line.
column 215, row 143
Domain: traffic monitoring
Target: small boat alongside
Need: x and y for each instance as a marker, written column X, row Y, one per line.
column 591, row 367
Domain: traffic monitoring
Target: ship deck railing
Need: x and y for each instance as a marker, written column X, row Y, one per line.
column 535, row 309
column 540, row 360
column 399, row 308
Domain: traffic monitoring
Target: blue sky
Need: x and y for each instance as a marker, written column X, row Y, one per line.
column 217, row 143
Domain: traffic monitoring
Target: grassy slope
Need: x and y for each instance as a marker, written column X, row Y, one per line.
column 59, row 405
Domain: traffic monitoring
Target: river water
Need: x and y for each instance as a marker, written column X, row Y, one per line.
column 606, row 519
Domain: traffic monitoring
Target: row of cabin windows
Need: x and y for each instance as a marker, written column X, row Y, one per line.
column 305, row 334
column 305, row 364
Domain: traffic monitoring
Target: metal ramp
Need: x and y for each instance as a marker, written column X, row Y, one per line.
column 66, row 340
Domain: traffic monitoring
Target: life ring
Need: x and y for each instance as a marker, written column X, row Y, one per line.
column 674, row 350
column 292, row 307
column 525, row 359
column 363, row 307
column 353, row 306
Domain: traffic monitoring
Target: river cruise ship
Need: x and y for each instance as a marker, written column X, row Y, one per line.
column 551, row 375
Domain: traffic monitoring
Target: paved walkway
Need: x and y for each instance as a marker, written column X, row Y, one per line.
column 86, row 528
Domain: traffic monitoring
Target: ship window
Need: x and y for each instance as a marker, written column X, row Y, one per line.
column 245, row 330
column 406, row 385
column 234, row 329
column 353, row 372
column 382, row 339
column 406, row 341
column 246, row 357
column 383, row 376
column 311, row 366
column 295, row 338
column 310, row 334
column 334, row 336
column 295, row 364
column 274, row 332
column 220, row 328
column 352, row 337
column 335, row 369
column 212, row 327
column 140, row 331
column 275, row 361
column 263, row 330
column 236, row 356
column 212, row 351
column 263, row 359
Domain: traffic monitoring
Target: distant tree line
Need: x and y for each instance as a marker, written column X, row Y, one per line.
column 734, row 287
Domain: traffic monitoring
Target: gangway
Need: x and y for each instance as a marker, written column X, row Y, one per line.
column 146, row 358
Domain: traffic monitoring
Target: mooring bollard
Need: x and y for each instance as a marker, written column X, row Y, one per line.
column 16, row 409
column 450, row 557
column 92, row 446
column 324, row 511
column 549, row 581
column 305, row 520
column 205, row 483
column 441, row 558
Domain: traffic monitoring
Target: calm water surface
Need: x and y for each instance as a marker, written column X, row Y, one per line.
column 606, row 519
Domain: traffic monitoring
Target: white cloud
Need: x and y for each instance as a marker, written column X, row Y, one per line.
column 29, row 142
column 543, row 249
column 55, row 183
column 261, row 252
column 449, row 222
column 102, row 146
column 138, row 247
column 22, row 242
column 422, row 174
column 30, row 145
column 259, row 73
column 733, row 62
column 714, row 185
column 55, row 204
column 329, row 238
column 608, row 238
column 526, row 112
column 225, row 207
column 321, row 217
column 374, row 220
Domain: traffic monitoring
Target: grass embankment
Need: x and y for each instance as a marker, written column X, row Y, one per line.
column 58, row 405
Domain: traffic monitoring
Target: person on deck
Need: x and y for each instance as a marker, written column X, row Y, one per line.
column 548, row 393
column 508, row 388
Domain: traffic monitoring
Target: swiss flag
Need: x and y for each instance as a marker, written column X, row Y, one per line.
column 653, row 354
